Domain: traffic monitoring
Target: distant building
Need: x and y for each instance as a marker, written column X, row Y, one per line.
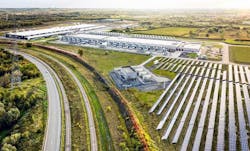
column 35, row 34
column 190, row 47
column 142, row 43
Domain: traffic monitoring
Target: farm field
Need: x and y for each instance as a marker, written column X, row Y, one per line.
column 168, row 31
column 200, row 100
column 240, row 54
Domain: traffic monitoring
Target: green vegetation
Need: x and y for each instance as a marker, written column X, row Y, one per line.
column 105, row 61
column 139, row 101
column 168, row 31
column 237, row 42
column 106, row 125
column 165, row 73
column 22, row 109
column 80, row 133
column 192, row 55
column 240, row 54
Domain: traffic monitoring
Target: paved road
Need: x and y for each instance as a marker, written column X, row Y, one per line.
column 91, row 122
column 225, row 53
column 66, row 110
column 53, row 129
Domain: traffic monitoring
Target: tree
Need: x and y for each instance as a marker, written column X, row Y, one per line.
column 80, row 52
column 8, row 147
column 12, row 139
column 12, row 115
column 2, row 114
column 28, row 45
column 5, row 80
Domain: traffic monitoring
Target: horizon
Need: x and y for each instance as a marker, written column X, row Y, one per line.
column 129, row 4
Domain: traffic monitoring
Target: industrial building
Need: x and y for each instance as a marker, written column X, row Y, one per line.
column 142, row 44
column 137, row 77
column 35, row 34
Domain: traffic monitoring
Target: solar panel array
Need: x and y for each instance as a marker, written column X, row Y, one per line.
column 206, row 106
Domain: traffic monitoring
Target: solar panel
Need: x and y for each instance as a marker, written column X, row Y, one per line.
column 183, row 67
column 177, row 68
column 169, row 66
column 160, row 125
column 210, row 133
column 201, row 124
column 171, row 94
column 236, row 74
column 220, row 66
column 247, row 74
column 159, row 65
column 222, row 116
column 184, row 116
column 172, row 68
column 202, row 63
column 164, row 66
column 231, row 113
column 242, row 122
column 193, row 117
column 163, row 94
column 170, row 126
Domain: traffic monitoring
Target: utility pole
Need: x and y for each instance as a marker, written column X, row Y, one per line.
column 16, row 74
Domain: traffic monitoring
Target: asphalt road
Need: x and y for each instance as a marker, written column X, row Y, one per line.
column 91, row 122
column 52, row 137
column 66, row 110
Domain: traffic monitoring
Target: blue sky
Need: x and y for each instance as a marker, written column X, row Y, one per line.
column 140, row 4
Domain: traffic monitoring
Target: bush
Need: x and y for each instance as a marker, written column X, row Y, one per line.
column 28, row 45
column 8, row 147
column 80, row 52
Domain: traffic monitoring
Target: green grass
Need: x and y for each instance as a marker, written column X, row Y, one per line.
column 147, row 98
column 240, row 54
column 164, row 73
column 102, row 127
column 234, row 42
column 168, row 31
column 192, row 55
column 105, row 61
column 140, row 101
column 80, row 134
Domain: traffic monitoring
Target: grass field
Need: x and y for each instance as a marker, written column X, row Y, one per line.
column 234, row 42
column 103, row 60
column 101, row 102
column 168, row 31
column 140, row 101
column 165, row 73
column 80, row 139
column 240, row 54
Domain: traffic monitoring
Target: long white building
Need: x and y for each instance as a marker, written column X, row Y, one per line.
column 35, row 34
column 131, row 42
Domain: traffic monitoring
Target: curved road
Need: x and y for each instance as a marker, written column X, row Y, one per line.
column 66, row 109
column 52, row 137
column 91, row 122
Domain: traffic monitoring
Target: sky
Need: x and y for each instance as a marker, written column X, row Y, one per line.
column 127, row 4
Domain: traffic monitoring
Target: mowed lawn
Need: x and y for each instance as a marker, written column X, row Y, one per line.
column 168, row 31
column 240, row 54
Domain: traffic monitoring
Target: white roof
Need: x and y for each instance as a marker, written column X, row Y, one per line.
column 50, row 30
column 89, row 36
column 145, row 41
column 130, row 40
column 196, row 46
